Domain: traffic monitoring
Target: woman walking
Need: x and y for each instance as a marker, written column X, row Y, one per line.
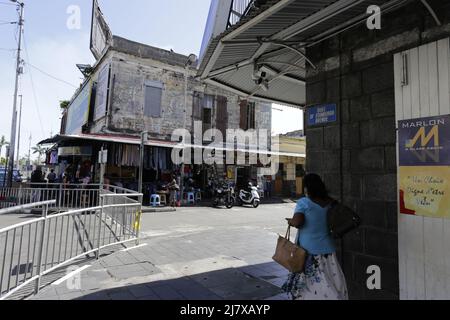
column 173, row 187
column 322, row 278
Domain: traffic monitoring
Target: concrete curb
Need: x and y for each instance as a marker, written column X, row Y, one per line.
column 158, row 210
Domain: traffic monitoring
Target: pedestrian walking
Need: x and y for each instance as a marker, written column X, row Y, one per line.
column 37, row 178
column 322, row 278
column 173, row 187
column 51, row 177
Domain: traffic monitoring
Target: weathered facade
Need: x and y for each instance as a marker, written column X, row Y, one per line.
column 134, row 67
column 135, row 88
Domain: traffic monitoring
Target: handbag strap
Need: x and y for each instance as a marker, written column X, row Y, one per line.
column 288, row 233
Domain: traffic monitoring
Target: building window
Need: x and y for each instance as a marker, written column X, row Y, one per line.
column 299, row 171
column 197, row 106
column 251, row 117
column 209, row 102
column 222, row 115
column 153, row 99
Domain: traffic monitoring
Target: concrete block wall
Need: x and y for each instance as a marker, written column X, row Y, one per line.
column 357, row 155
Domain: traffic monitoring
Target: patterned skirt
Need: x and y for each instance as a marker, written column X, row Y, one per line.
column 323, row 279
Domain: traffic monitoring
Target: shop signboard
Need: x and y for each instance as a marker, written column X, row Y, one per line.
column 75, row 151
column 101, row 93
column 322, row 114
column 424, row 166
column 78, row 110
column 101, row 35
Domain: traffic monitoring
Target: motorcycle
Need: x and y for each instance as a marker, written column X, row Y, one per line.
column 224, row 195
column 250, row 197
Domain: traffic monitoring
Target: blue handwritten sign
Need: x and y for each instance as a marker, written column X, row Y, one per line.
column 322, row 114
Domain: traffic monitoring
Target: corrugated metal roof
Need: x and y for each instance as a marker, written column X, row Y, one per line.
column 109, row 138
column 164, row 144
column 227, row 60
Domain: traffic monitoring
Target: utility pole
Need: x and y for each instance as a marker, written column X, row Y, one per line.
column 191, row 60
column 12, row 148
column 144, row 139
column 29, row 158
column 18, row 133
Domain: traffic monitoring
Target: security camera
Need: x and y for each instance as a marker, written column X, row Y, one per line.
column 258, row 73
column 265, row 85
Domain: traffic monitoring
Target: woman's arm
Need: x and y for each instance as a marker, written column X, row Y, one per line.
column 297, row 221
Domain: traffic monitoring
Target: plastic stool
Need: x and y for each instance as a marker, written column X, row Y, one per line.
column 163, row 198
column 191, row 198
column 155, row 200
column 198, row 196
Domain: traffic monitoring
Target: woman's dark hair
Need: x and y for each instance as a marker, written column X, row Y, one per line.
column 315, row 186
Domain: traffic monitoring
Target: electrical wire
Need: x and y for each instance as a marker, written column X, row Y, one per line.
column 33, row 89
column 50, row 76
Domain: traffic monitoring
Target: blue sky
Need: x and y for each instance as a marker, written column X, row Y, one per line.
column 54, row 48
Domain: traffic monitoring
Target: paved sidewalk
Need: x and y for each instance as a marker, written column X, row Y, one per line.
column 202, row 261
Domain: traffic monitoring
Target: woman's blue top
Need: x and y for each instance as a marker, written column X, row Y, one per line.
column 314, row 236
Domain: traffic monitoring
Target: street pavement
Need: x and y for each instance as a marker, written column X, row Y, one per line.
column 7, row 220
column 191, row 254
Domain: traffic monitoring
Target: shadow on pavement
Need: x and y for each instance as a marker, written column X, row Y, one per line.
column 244, row 283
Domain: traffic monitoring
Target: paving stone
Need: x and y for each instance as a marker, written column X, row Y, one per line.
column 71, row 296
column 167, row 293
column 95, row 296
column 151, row 296
column 122, row 295
column 140, row 291
column 211, row 264
column 216, row 279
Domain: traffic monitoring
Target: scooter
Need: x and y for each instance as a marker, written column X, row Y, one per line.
column 250, row 197
column 224, row 195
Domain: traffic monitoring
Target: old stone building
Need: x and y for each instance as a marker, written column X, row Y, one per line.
column 135, row 88
column 142, row 88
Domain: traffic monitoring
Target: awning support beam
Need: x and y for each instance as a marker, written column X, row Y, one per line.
column 299, row 52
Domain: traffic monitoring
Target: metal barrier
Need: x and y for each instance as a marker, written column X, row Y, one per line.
column 67, row 196
column 35, row 248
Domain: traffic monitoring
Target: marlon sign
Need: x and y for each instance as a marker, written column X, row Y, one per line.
column 424, row 173
column 425, row 142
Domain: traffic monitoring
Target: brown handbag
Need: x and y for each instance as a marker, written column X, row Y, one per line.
column 289, row 255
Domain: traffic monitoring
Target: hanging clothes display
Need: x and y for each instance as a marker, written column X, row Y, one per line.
column 124, row 155
column 54, row 157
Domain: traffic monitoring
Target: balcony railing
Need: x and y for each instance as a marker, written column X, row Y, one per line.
column 239, row 8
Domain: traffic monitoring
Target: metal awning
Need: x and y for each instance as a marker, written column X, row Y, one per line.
column 108, row 138
column 164, row 144
column 272, row 39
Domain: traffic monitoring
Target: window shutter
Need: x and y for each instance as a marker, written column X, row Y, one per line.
column 197, row 106
column 153, row 98
column 222, row 114
column 244, row 108
column 251, row 116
